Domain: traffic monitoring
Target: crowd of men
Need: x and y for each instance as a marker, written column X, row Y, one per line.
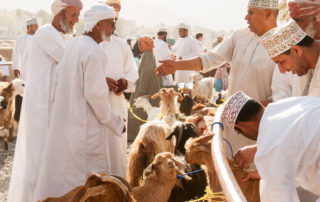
column 74, row 115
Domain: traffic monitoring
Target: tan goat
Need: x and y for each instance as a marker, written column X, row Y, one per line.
column 99, row 187
column 150, row 141
column 198, row 151
column 159, row 179
column 9, row 91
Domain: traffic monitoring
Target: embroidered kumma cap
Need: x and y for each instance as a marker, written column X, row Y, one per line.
column 281, row 38
column 232, row 108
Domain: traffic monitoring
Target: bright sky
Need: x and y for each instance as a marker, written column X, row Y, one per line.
column 213, row 14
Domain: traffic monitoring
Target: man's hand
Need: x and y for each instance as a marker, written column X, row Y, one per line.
column 167, row 67
column 252, row 175
column 122, row 85
column 113, row 85
column 16, row 73
column 245, row 156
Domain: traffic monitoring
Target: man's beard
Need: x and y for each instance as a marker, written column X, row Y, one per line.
column 104, row 36
column 65, row 28
column 310, row 30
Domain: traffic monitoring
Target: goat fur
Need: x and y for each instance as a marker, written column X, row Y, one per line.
column 99, row 187
column 198, row 151
column 9, row 91
column 150, row 141
column 160, row 178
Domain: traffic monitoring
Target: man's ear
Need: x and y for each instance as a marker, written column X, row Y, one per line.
column 296, row 51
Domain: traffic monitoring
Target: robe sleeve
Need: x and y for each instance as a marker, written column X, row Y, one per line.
column 174, row 48
column 147, row 65
column 281, row 87
column 16, row 57
column 96, row 92
column 130, row 70
column 277, row 170
column 218, row 56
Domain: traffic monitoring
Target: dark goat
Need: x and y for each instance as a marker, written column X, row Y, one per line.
column 187, row 189
column 186, row 105
column 183, row 131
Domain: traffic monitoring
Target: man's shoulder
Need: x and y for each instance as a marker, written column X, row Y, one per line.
column 47, row 31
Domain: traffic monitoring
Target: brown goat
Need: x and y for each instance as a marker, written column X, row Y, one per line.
column 198, row 151
column 9, row 91
column 160, row 178
column 99, row 187
column 150, row 141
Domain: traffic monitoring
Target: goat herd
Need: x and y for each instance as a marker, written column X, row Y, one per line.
column 177, row 143
column 165, row 148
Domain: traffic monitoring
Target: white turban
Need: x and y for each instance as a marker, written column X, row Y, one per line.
column 59, row 5
column 163, row 29
column 96, row 13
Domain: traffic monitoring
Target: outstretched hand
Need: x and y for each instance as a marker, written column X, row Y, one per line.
column 167, row 67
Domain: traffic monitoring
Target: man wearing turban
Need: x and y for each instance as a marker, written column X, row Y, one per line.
column 122, row 74
column 82, row 117
column 307, row 14
column 46, row 50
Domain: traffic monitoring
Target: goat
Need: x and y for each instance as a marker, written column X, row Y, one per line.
column 199, row 151
column 182, row 132
column 9, row 92
column 202, row 86
column 99, row 187
column 143, row 102
column 160, row 178
column 203, row 110
column 186, row 104
column 168, row 108
column 150, row 141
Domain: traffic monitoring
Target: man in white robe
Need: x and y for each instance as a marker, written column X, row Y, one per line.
column 287, row 134
column 20, row 58
column 161, row 51
column 251, row 68
column 82, row 117
column 298, row 54
column 120, row 67
column 20, row 50
column 47, row 48
column 185, row 48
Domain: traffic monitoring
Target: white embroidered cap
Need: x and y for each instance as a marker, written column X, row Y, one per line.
column 264, row 4
column 33, row 21
column 281, row 38
column 232, row 108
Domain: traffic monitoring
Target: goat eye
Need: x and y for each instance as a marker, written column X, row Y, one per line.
column 23, row 85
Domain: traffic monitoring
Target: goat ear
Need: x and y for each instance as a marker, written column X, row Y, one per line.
column 181, row 166
column 170, row 136
column 148, row 171
column 155, row 96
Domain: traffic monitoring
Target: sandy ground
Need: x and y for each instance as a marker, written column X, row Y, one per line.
column 6, row 161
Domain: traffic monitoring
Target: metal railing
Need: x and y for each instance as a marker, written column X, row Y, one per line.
column 226, row 178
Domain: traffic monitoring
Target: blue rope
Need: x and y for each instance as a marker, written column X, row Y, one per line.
column 182, row 176
column 229, row 146
column 219, row 123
